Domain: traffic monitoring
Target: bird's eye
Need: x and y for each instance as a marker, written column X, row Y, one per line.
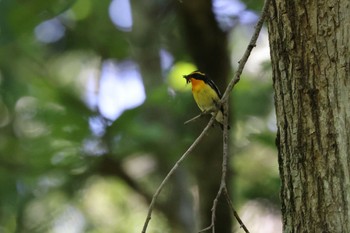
column 188, row 80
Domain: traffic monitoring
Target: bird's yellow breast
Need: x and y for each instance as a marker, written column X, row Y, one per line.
column 204, row 95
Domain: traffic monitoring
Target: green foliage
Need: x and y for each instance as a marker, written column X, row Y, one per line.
column 51, row 160
column 252, row 98
column 19, row 18
column 254, row 5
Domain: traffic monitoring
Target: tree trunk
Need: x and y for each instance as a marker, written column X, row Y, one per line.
column 310, row 52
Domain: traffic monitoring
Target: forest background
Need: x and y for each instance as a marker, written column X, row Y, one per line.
column 92, row 112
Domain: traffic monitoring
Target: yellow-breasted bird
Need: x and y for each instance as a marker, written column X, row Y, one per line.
column 206, row 94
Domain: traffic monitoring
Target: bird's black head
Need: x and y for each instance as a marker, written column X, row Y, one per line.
column 196, row 75
column 188, row 78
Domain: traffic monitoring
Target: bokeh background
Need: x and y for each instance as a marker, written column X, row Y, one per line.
column 92, row 106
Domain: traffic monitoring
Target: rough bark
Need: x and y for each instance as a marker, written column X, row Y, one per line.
column 310, row 52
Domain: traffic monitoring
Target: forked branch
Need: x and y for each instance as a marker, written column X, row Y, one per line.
column 224, row 102
column 177, row 164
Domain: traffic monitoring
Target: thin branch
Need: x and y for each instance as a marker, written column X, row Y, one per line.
column 228, row 199
column 246, row 54
column 189, row 150
column 224, row 170
column 223, row 101
column 213, row 209
column 196, row 117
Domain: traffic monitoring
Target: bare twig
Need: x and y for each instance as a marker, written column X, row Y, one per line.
column 247, row 52
column 223, row 173
column 193, row 119
column 213, row 209
column 223, row 102
column 156, row 194
column 198, row 116
column 228, row 199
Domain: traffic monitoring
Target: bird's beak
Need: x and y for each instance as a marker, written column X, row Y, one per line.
column 187, row 78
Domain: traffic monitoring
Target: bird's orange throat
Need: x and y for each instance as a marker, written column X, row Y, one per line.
column 197, row 84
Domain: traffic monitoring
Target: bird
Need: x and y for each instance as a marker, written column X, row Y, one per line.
column 206, row 94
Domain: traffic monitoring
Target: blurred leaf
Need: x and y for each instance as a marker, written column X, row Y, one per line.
column 254, row 5
column 18, row 17
column 176, row 80
column 265, row 138
column 252, row 97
